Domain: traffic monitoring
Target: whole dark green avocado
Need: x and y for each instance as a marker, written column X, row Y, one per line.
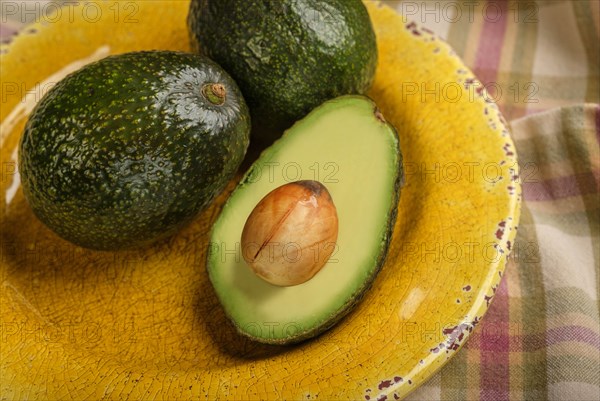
column 129, row 149
column 287, row 56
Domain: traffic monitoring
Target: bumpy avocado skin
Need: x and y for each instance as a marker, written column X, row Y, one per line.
column 127, row 150
column 287, row 56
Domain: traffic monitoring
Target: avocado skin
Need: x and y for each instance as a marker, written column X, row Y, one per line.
column 127, row 150
column 287, row 56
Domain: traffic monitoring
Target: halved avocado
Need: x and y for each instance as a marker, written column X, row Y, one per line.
column 348, row 146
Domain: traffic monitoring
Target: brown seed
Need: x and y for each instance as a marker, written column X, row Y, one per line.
column 291, row 233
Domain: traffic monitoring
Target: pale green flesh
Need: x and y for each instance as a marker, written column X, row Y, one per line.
column 356, row 156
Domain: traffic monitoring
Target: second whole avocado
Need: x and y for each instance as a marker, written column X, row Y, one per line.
column 287, row 56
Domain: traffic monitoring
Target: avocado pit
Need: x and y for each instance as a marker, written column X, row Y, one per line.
column 291, row 233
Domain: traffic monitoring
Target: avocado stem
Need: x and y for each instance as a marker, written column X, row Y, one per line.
column 214, row 93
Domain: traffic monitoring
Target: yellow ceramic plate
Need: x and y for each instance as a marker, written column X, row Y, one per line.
column 77, row 324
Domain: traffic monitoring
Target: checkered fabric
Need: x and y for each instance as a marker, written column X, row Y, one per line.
column 540, row 339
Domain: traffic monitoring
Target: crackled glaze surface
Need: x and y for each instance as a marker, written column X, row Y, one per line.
column 79, row 324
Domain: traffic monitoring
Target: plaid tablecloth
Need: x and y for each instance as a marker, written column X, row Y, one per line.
column 539, row 60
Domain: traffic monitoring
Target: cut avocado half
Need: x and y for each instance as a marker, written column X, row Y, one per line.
column 348, row 146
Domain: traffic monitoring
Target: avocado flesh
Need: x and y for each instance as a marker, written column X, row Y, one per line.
column 287, row 56
column 360, row 163
column 129, row 149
